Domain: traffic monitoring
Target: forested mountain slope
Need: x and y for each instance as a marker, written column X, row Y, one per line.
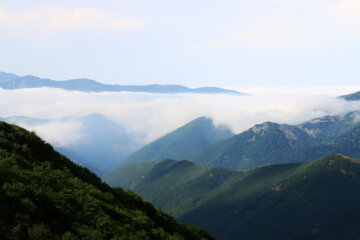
column 45, row 196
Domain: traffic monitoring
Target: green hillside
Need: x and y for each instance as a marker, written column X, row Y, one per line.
column 312, row 200
column 45, row 196
column 190, row 137
column 269, row 143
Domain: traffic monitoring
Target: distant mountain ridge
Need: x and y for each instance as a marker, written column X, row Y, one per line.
column 11, row 81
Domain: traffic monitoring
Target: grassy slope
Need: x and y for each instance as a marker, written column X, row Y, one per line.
column 192, row 136
column 242, row 204
column 44, row 195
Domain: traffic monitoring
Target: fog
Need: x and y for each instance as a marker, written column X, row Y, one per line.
column 59, row 133
column 153, row 115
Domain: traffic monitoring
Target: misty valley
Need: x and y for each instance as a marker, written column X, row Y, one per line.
column 179, row 120
column 84, row 160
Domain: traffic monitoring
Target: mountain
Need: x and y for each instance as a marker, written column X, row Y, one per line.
column 347, row 143
column 175, row 145
column 312, row 200
column 46, row 196
column 7, row 77
column 272, row 143
column 12, row 81
column 352, row 97
column 103, row 144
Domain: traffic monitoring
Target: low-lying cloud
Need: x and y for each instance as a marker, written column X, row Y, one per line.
column 153, row 115
column 60, row 133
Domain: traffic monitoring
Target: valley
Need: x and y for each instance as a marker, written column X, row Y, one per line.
column 270, row 181
column 180, row 120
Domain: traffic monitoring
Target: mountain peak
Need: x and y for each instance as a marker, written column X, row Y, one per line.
column 190, row 137
column 339, row 157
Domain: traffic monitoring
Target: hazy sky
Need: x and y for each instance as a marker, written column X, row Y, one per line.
column 229, row 43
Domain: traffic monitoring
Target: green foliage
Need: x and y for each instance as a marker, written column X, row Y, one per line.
column 43, row 195
column 312, row 200
column 40, row 232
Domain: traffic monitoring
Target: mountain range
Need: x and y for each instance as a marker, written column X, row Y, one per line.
column 11, row 81
column 265, row 143
column 272, row 143
column 46, row 196
column 313, row 200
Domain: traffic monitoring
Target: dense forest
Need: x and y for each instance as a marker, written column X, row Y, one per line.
column 45, row 196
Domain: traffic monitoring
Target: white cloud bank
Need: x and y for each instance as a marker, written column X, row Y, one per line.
column 59, row 19
column 59, row 133
column 153, row 115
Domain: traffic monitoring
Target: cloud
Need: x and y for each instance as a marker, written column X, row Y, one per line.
column 294, row 23
column 59, row 133
column 346, row 15
column 152, row 115
column 277, row 29
column 59, row 19
column 331, row 91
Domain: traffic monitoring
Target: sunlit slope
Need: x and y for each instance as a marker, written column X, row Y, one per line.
column 269, row 142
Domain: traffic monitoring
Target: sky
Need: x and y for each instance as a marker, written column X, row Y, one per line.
column 240, row 44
